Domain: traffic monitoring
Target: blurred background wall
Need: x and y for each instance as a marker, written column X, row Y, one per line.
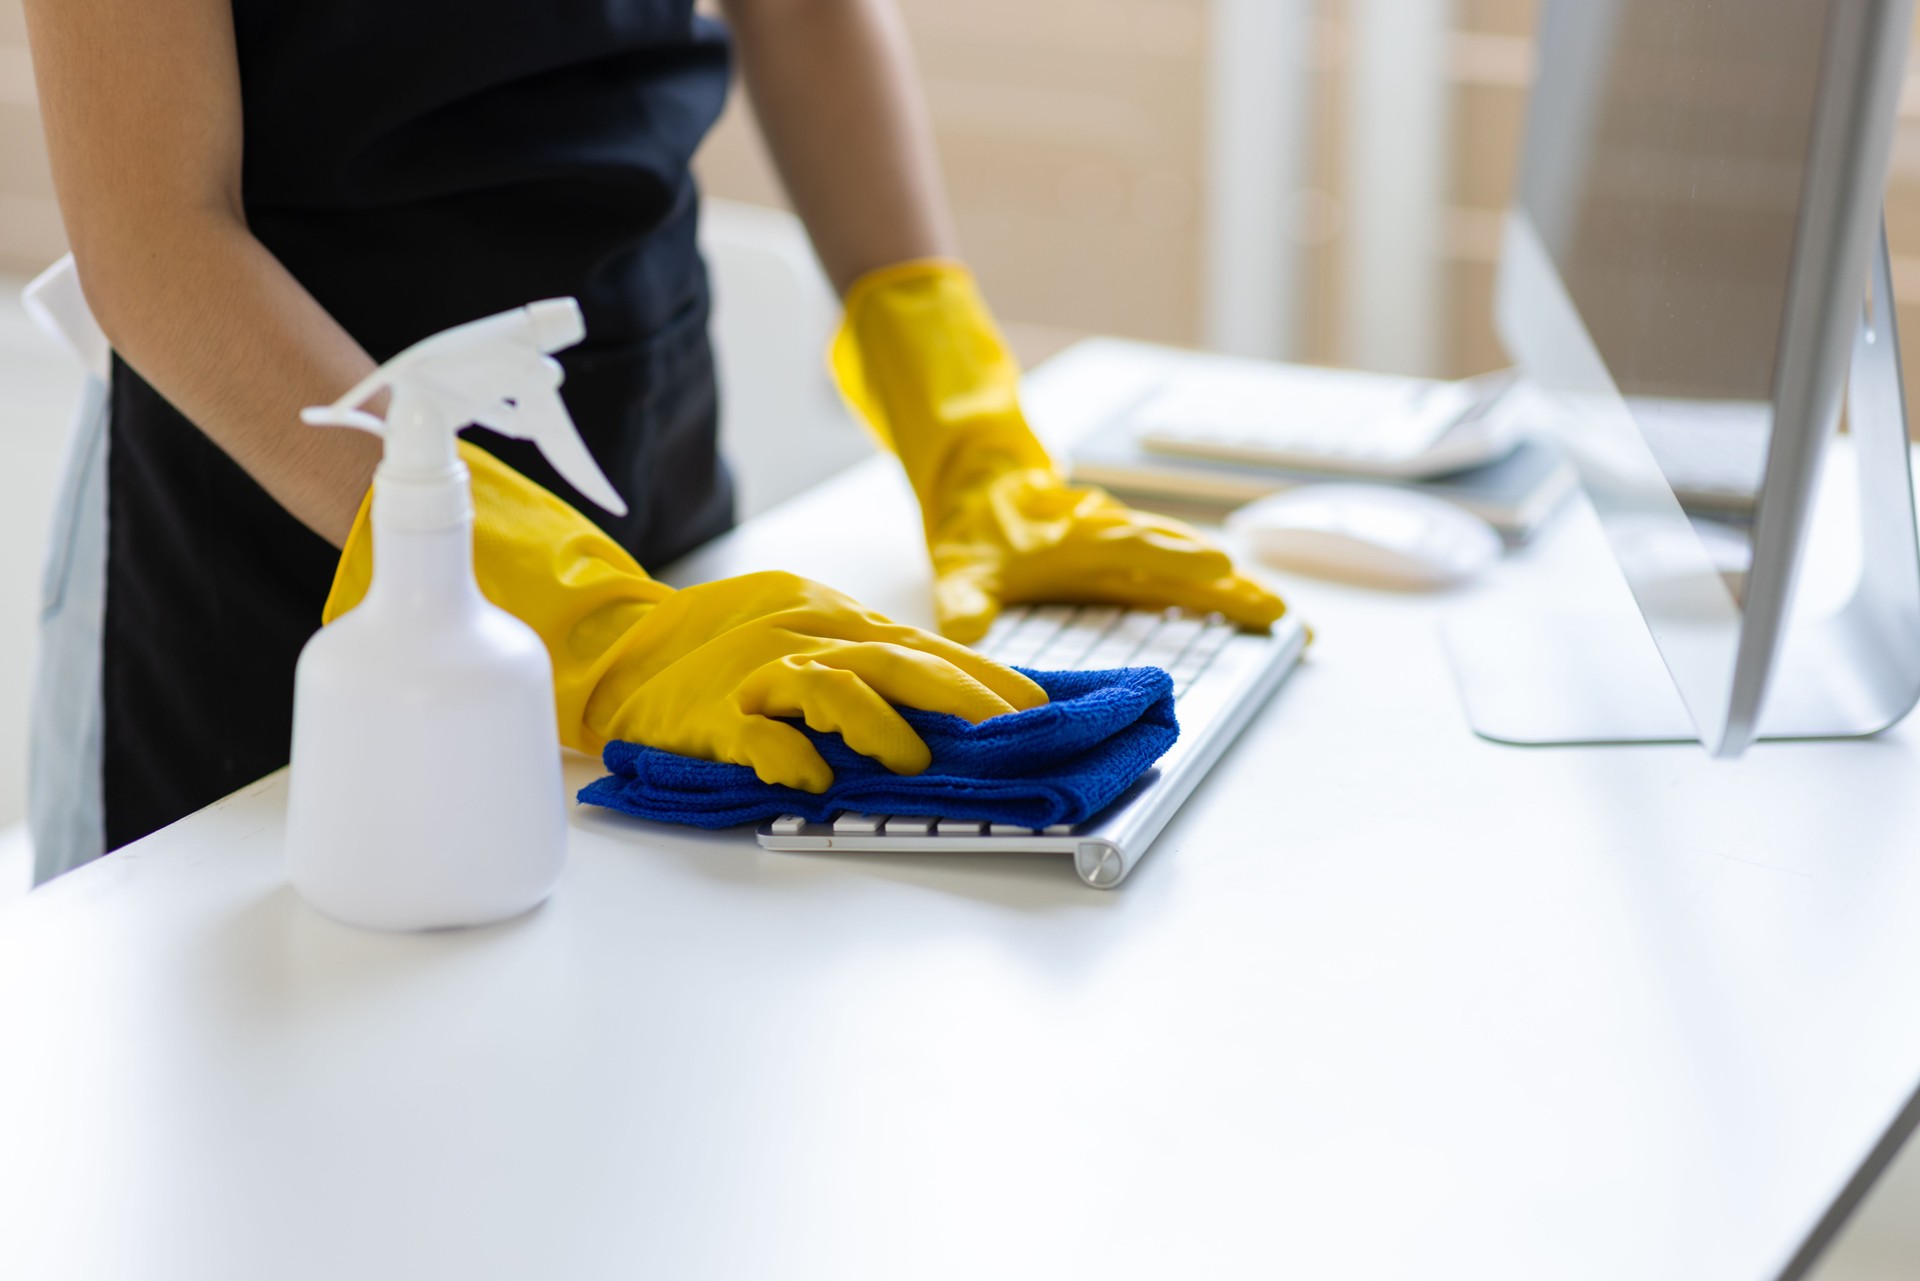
column 1117, row 166
column 1372, row 145
column 30, row 235
column 1072, row 133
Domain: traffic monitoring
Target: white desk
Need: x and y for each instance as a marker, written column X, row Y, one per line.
column 1385, row 1001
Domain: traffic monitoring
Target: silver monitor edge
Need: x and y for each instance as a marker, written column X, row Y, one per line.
column 1863, row 68
column 1856, row 98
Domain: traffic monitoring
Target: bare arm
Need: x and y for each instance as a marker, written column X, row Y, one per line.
column 142, row 107
column 834, row 90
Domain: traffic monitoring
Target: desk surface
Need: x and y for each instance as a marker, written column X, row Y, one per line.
column 1384, row 1001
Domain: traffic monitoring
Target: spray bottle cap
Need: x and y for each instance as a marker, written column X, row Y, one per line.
column 494, row 372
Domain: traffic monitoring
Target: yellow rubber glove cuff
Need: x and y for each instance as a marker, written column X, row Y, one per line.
column 712, row 671
column 921, row 363
column 919, row 359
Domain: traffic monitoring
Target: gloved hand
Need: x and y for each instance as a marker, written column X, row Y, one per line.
column 918, row 358
column 703, row 671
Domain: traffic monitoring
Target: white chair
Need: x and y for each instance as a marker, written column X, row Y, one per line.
column 782, row 425
column 54, row 300
column 63, row 759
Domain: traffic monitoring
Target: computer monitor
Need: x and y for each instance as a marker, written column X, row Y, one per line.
column 1683, row 280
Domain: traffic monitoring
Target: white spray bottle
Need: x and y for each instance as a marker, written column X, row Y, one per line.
column 426, row 786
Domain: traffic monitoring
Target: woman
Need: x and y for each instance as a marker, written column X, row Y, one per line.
column 267, row 197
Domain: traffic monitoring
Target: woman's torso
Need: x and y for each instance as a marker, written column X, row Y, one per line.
column 421, row 163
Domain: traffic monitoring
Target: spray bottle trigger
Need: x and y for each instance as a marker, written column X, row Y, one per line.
column 336, row 416
column 542, row 419
column 495, row 371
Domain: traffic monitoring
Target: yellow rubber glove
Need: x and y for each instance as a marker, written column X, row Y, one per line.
column 919, row 359
column 703, row 671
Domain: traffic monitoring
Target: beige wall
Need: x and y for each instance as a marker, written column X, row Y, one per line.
column 1072, row 136
column 30, row 235
column 1491, row 71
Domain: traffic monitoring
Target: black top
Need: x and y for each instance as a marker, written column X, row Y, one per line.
column 416, row 164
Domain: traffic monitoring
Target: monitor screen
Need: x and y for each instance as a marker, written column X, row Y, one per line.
column 1665, row 180
column 1650, row 252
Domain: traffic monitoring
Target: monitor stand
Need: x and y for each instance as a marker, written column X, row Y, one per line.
column 1531, row 676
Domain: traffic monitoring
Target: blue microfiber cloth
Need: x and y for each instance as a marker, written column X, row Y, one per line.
column 1061, row 763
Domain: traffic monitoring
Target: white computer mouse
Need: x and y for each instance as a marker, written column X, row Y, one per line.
column 1373, row 535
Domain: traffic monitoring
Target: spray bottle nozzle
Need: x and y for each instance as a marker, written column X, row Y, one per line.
column 494, row 372
column 556, row 323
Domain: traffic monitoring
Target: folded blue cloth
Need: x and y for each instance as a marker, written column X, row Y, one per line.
column 1062, row 763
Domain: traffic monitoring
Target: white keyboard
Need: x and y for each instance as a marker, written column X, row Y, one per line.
column 1340, row 421
column 1092, row 638
column 1221, row 676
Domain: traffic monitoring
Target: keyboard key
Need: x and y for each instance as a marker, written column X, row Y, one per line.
column 1122, row 641
column 1071, row 644
column 1033, row 634
column 1188, row 665
column 1068, row 652
column 960, row 827
column 788, row 825
column 910, row 825
column 1212, row 639
column 1169, row 643
column 1017, row 653
column 1009, row 829
column 1060, row 829
column 848, row 823
column 1016, row 636
column 1003, row 628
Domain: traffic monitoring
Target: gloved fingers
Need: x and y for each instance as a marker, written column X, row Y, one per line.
column 966, row 596
column 1046, row 496
column 834, row 700
column 1240, row 599
column 1142, row 548
column 1038, row 516
column 1041, row 517
column 1234, row 596
column 909, row 676
column 963, row 586
column 779, row 754
column 1009, row 687
column 1034, row 510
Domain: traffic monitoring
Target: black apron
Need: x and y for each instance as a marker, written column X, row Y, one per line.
column 416, row 165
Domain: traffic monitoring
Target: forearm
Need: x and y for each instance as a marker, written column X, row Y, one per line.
column 233, row 341
column 833, row 86
column 141, row 100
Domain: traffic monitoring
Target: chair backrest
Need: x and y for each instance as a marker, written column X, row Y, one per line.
column 54, row 300
column 782, row 424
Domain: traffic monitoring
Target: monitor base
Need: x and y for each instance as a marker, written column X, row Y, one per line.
column 1534, row 678
column 1529, row 677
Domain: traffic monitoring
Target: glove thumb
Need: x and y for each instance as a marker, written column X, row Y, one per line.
column 966, row 600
